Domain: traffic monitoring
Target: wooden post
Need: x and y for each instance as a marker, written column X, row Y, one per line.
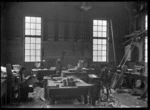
column 113, row 41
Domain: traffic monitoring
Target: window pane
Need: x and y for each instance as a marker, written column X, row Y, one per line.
column 103, row 58
column 32, row 40
column 146, row 22
column 104, row 34
column 99, row 58
column 27, row 46
column 27, row 32
column 32, row 52
column 38, row 26
column 94, row 58
column 38, row 46
column 146, row 26
column 38, row 40
column 145, row 40
column 99, row 22
column 103, row 47
column 103, row 53
column 27, row 19
column 146, row 46
column 38, row 52
column 94, row 22
column 27, row 40
column 94, row 47
column 99, row 53
column 99, row 47
column 38, row 20
column 99, row 34
column 32, row 26
column 33, row 19
column 32, row 46
column 95, row 34
column 27, row 58
column 94, row 41
column 94, row 53
column 145, row 59
column 27, row 25
column 32, row 58
column 37, row 58
column 99, row 28
column 145, row 53
column 104, row 23
column 99, row 41
column 94, row 28
column 32, row 32
column 104, row 42
column 38, row 32
column 104, row 28
column 27, row 52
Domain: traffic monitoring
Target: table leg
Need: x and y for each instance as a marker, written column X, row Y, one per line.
column 52, row 100
column 92, row 98
column 85, row 99
column 6, row 99
column 45, row 90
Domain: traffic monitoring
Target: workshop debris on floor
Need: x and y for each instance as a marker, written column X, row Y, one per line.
column 117, row 99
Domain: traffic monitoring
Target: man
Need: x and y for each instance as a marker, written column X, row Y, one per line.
column 26, row 80
column 58, row 67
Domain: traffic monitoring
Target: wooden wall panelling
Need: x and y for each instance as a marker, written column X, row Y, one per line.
column 82, row 31
column 61, row 30
column 56, row 30
column 65, row 31
column 50, row 30
column 45, row 29
column 76, row 31
column 71, row 31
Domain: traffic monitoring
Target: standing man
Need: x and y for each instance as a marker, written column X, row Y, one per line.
column 58, row 67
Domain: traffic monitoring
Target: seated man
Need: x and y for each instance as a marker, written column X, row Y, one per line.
column 25, row 83
column 58, row 69
column 26, row 80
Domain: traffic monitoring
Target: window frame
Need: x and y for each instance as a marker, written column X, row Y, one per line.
column 32, row 36
column 145, row 55
column 106, row 38
column 146, row 38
